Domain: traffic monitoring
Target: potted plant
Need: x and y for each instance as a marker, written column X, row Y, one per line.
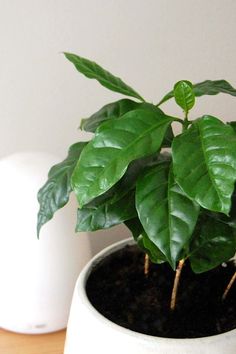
column 175, row 292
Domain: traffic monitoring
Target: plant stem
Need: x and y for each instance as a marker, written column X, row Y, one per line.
column 146, row 264
column 186, row 122
column 229, row 286
column 176, row 284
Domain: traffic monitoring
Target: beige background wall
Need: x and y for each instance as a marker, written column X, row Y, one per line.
column 150, row 44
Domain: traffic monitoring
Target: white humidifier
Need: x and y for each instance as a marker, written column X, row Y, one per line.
column 37, row 277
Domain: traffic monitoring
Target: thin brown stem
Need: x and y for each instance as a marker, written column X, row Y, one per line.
column 229, row 286
column 146, row 265
column 176, row 284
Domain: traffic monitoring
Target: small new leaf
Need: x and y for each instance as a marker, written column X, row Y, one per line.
column 184, row 95
column 207, row 87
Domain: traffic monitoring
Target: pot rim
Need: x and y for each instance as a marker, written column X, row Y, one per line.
column 81, row 292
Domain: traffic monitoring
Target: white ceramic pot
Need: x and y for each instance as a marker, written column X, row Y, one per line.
column 37, row 276
column 89, row 332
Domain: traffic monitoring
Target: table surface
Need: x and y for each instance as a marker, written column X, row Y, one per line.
column 13, row 343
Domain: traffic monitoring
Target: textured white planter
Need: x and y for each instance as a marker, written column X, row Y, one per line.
column 37, row 276
column 89, row 332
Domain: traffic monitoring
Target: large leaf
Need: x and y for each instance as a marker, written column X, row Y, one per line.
column 95, row 217
column 94, row 71
column 105, row 159
column 118, row 109
column 55, row 192
column 207, row 87
column 167, row 215
column 214, row 243
column 204, row 160
column 184, row 96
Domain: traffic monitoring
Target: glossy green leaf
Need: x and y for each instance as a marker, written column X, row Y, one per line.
column 213, row 244
column 117, row 143
column 207, row 87
column 125, row 185
column 55, row 192
column 135, row 226
column 118, row 109
column 229, row 220
column 128, row 181
column 166, row 98
column 93, row 71
column 204, row 160
column 184, row 95
column 155, row 255
column 167, row 215
column 112, row 110
column 95, row 217
column 143, row 241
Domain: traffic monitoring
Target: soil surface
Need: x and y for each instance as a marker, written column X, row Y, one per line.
column 120, row 291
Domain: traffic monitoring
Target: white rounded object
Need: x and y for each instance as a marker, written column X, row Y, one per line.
column 37, row 276
column 90, row 332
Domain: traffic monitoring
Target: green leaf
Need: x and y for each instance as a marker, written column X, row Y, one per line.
column 106, row 79
column 112, row 110
column 155, row 255
column 204, row 160
column 105, row 159
column 128, row 181
column 95, row 217
column 184, row 95
column 233, row 125
column 229, row 220
column 207, row 87
column 135, row 226
column 213, row 244
column 55, row 192
column 120, row 190
column 167, row 215
column 117, row 110
column 143, row 241
column 166, row 98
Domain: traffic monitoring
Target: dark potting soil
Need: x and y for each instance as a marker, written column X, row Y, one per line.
column 119, row 290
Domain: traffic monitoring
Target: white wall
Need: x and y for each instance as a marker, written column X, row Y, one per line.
column 150, row 44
